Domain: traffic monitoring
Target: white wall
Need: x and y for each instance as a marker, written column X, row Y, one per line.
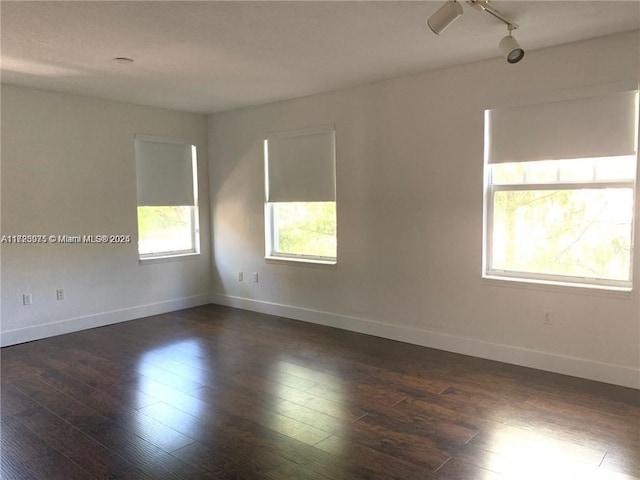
column 409, row 167
column 68, row 167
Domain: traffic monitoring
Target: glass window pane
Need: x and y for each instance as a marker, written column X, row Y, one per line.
column 305, row 228
column 578, row 233
column 507, row 173
column 165, row 229
column 541, row 172
column 616, row 168
column 553, row 171
column 581, row 170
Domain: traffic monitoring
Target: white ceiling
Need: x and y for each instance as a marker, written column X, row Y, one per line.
column 210, row 56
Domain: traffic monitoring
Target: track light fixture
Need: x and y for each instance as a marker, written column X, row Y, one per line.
column 510, row 48
column 451, row 10
column 444, row 16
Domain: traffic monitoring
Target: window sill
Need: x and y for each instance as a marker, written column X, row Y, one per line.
column 302, row 262
column 555, row 286
column 168, row 258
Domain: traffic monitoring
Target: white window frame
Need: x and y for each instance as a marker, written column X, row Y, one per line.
column 270, row 224
column 550, row 279
column 158, row 257
column 194, row 251
column 271, row 244
column 528, row 131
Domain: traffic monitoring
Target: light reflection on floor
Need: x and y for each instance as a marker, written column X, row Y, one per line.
column 531, row 455
column 176, row 414
column 307, row 417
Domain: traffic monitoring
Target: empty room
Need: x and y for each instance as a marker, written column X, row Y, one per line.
column 319, row 240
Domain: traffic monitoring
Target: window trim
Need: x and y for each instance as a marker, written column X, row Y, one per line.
column 310, row 262
column 195, row 241
column 548, row 278
column 271, row 255
column 271, row 241
column 176, row 255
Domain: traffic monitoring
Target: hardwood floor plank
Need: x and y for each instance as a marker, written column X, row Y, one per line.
column 74, row 444
column 622, row 460
column 321, row 405
column 327, row 423
column 54, row 466
column 217, row 393
column 509, row 450
column 372, row 463
column 221, row 462
column 158, row 392
column 238, row 405
column 107, row 402
column 20, row 443
column 404, row 445
column 188, row 423
column 35, row 456
column 426, row 420
column 458, row 469
column 12, row 469
column 368, row 395
column 257, row 447
column 12, row 369
column 128, row 441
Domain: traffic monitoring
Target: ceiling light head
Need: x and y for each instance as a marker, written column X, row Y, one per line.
column 451, row 10
column 511, row 49
column 444, row 16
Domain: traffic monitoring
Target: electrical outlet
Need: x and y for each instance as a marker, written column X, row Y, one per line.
column 27, row 299
column 240, row 276
column 255, row 277
column 60, row 294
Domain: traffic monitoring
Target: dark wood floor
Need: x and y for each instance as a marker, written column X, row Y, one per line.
column 218, row 393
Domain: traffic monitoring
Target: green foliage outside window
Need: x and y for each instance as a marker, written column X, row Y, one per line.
column 580, row 233
column 305, row 228
column 164, row 229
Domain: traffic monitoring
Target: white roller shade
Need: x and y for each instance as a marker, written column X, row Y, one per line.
column 164, row 172
column 301, row 166
column 599, row 126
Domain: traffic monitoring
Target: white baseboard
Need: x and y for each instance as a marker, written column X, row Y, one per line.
column 551, row 362
column 37, row 332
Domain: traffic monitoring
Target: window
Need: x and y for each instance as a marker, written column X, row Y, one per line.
column 554, row 214
column 166, row 173
column 300, row 208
